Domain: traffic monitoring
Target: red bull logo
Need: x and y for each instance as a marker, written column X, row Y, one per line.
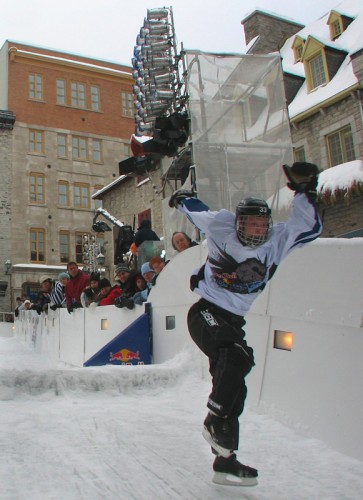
column 124, row 355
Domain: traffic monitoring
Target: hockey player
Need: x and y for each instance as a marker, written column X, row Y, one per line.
column 244, row 250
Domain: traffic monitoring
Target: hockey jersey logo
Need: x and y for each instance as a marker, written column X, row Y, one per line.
column 249, row 276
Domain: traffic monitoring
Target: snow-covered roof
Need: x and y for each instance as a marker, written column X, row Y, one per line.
column 350, row 41
column 109, row 186
column 335, row 182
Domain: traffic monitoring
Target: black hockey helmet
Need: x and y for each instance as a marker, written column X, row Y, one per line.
column 257, row 208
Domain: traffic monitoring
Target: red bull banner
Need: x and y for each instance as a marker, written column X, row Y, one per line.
column 129, row 347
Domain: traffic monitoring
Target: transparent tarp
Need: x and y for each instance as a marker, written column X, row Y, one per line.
column 239, row 128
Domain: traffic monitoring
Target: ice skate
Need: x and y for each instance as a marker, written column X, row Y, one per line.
column 229, row 471
column 218, row 434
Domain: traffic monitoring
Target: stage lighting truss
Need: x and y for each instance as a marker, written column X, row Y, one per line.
column 158, row 71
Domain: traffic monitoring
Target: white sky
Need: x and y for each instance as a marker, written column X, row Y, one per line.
column 107, row 29
column 134, row 433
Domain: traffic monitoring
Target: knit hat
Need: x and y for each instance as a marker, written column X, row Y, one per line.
column 63, row 275
column 145, row 268
column 121, row 268
column 104, row 283
column 44, row 278
column 95, row 277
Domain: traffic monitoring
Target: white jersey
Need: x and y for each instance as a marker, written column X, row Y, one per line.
column 234, row 275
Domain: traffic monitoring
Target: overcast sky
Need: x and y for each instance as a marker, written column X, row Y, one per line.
column 107, row 29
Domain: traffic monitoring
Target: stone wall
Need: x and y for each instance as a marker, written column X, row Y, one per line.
column 5, row 213
column 311, row 132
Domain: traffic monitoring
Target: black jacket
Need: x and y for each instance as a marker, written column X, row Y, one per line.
column 145, row 233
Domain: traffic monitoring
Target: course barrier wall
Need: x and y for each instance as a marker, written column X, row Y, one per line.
column 315, row 297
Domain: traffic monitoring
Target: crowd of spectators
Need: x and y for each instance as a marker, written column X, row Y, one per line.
column 77, row 289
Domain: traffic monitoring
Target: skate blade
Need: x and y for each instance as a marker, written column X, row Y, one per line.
column 231, row 480
column 221, row 451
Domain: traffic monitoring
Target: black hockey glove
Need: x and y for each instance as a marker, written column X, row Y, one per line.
column 178, row 196
column 302, row 177
column 70, row 309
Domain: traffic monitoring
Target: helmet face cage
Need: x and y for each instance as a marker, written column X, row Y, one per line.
column 258, row 209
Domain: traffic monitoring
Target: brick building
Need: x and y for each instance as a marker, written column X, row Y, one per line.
column 72, row 121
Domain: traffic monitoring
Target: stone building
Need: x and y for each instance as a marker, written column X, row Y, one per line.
column 72, row 121
column 323, row 75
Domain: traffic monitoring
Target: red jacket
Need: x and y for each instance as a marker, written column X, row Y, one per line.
column 75, row 287
column 111, row 297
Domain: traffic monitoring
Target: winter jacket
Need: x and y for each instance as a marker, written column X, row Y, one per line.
column 145, row 233
column 75, row 287
column 111, row 297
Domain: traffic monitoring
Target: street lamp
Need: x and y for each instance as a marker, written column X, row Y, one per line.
column 8, row 266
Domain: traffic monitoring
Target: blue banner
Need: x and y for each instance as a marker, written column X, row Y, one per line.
column 130, row 347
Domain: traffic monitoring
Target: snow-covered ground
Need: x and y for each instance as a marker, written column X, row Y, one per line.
column 122, row 432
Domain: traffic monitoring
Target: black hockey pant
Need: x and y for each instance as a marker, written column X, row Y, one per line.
column 219, row 334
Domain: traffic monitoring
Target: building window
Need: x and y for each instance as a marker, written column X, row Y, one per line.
column 64, row 246
column 81, row 195
column 78, row 95
column 299, row 51
column 79, row 148
column 61, row 92
column 299, row 154
column 336, row 29
column 63, row 193
column 97, row 151
column 36, row 141
column 95, row 98
column 37, row 188
column 127, row 104
column 340, row 146
column 35, row 86
column 37, row 245
column 317, row 71
column 62, row 145
column 335, row 25
column 79, row 247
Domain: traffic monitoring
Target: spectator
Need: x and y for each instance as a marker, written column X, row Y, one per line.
column 181, row 241
column 140, row 283
column 57, row 296
column 126, row 278
column 107, row 293
column 157, row 264
column 19, row 302
column 140, row 296
column 25, row 306
column 89, row 293
column 77, row 283
column 145, row 233
column 43, row 298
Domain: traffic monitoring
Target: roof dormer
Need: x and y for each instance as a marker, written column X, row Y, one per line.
column 321, row 62
column 338, row 23
column 298, row 48
column 315, row 64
